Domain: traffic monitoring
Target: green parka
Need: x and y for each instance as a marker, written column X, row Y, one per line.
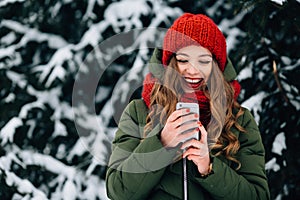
column 141, row 168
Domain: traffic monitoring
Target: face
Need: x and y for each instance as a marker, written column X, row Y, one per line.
column 194, row 65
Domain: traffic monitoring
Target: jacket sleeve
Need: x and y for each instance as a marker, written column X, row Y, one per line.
column 136, row 164
column 250, row 181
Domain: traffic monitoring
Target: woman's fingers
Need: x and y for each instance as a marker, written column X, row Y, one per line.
column 187, row 127
column 181, row 125
column 191, row 151
column 203, row 133
column 194, row 148
column 199, row 153
column 191, row 143
column 188, row 134
column 194, row 142
column 182, row 116
column 177, row 114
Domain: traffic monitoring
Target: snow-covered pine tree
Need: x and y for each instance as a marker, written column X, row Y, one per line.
column 56, row 138
column 269, row 64
column 62, row 89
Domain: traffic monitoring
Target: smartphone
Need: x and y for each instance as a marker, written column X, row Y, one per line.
column 194, row 108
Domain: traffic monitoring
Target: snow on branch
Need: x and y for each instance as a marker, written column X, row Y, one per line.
column 67, row 183
column 280, row 2
column 32, row 34
column 54, row 69
column 24, row 186
column 279, row 144
column 8, row 131
column 254, row 103
column 47, row 162
column 93, row 136
column 126, row 14
column 6, row 2
column 229, row 26
column 90, row 7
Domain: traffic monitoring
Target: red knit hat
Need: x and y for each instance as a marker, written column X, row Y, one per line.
column 195, row 29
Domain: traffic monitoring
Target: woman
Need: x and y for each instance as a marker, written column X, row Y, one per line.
column 227, row 162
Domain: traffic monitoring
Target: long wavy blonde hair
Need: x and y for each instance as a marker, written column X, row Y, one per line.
column 225, row 110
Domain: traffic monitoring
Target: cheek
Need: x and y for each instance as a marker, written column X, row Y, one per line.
column 181, row 69
column 207, row 73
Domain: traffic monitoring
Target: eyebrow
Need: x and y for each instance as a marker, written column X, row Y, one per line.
column 183, row 54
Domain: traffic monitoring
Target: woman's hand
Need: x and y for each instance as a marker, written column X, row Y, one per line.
column 180, row 125
column 198, row 151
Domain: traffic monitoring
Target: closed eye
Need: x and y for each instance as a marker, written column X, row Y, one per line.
column 202, row 62
column 182, row 61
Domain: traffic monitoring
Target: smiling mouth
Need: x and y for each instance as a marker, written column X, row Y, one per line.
column 194, row 83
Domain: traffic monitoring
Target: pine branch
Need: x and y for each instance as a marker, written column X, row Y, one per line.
column 275, row 72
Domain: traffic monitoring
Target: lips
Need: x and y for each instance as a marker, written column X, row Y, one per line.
column 194, row 83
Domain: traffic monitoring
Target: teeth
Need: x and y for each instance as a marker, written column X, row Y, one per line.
column 192, row 80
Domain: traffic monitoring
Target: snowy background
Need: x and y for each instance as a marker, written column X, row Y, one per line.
column 68, row 68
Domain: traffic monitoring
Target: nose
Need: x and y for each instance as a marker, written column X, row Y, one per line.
column 192, row 68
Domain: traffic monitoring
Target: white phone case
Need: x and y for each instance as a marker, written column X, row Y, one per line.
column 194, row 108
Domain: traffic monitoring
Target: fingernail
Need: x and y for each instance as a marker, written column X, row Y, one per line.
column 187, row 110
column 196, row 115
column 199, row 123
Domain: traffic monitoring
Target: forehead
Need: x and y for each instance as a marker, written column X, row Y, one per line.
column 194, row 50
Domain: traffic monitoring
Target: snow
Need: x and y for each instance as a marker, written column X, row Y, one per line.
column 32, row 34
column 93, row 137
column 5, row 2
column 280, row 2
column 272, row 165
column 14, row 58
column 279, row 144
column 6, row 161
column 88, row 121
column 10, row 98
column 296, row 104
column 24, row 186
column 213, row 9
column 69, row 190
column 48, row 162
column 17, row 79
column 102, row 93
column 9, row 38
column 54, row 67
column 228, row 27
column 286, row 60
column 261, row 75
column 126, row 13
column 254, row 104
column 245, row 74
column 8, row 131
column 7, row 52
column 283, row 125
column 91, row 36
column 89, row 10
column 78, row 149
column 59, row 129
column 289, row 89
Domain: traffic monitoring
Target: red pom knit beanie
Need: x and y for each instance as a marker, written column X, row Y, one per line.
column 195, row 29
